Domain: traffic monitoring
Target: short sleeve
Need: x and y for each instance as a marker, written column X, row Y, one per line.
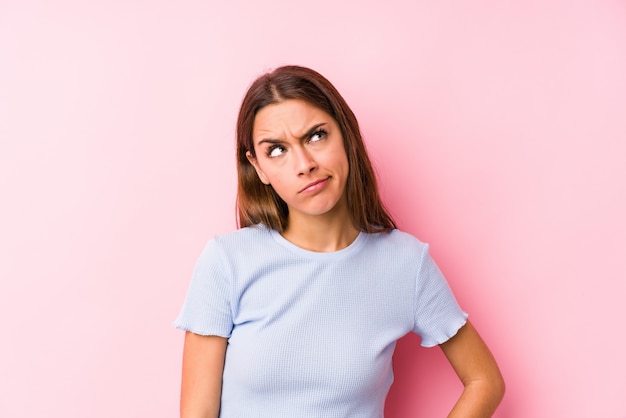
column 438, row 316
column 207, row 306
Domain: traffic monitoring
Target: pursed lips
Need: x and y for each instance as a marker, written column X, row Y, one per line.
column 313, row 184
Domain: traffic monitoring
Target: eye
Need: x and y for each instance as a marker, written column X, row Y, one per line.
column 275, row 151
column 318, row 135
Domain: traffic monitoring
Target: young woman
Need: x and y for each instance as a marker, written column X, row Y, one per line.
column 297, row 313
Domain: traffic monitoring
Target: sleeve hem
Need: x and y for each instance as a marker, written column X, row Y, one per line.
column 444, row 336
column 203, row 332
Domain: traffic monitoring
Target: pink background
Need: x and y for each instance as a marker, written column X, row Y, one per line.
column 498, row 130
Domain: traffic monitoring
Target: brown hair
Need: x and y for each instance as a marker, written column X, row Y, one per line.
column 259, row 203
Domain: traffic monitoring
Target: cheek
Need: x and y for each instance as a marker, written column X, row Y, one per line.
column 276, row 179
column 341, row 161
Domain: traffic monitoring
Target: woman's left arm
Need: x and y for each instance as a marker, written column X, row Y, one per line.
column 474, row 364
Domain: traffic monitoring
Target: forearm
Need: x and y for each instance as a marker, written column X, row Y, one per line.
column 478, row 400
column 199, row 407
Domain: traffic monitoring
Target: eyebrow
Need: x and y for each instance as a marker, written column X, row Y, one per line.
column 308, row 133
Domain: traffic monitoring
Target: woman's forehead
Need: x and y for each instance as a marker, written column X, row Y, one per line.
column 293, row 117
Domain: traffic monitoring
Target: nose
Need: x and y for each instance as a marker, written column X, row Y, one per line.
column 304, row 161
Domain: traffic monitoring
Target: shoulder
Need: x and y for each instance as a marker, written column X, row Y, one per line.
column 398, row 240
column 395, row 246
column 250, row 234
column 240, row 242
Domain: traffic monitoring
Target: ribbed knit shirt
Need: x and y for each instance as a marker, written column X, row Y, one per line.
column 311, row 334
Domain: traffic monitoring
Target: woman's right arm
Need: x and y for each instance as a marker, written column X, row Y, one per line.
column 203, row 366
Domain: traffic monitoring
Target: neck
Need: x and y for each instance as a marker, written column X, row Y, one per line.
column 321, row 233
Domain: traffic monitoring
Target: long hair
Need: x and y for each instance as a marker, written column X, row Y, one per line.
column 259, row 203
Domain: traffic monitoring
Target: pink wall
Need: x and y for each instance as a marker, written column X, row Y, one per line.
column 498, row 130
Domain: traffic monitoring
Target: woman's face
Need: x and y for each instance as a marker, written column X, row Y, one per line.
column 300, row 153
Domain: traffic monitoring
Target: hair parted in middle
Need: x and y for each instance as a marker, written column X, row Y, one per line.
column 258, row 203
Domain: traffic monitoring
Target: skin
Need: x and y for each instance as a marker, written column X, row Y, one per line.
column 203, row 366
column 296, row 145
column 299, row 151
column 483, row 385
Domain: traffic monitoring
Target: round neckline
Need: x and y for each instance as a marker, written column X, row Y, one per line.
column 342, row 253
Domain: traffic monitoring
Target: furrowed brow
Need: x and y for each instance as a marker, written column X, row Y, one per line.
column 270, row 141
column 308, row 133
column 312, row 130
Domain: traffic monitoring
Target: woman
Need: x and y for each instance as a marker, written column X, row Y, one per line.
column 297, row 313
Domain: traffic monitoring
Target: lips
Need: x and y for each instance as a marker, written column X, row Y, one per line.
column 315, row 185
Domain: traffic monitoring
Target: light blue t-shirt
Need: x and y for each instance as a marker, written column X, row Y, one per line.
column 312, row 334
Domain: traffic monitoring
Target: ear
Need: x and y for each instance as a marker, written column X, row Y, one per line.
column 258, row 170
